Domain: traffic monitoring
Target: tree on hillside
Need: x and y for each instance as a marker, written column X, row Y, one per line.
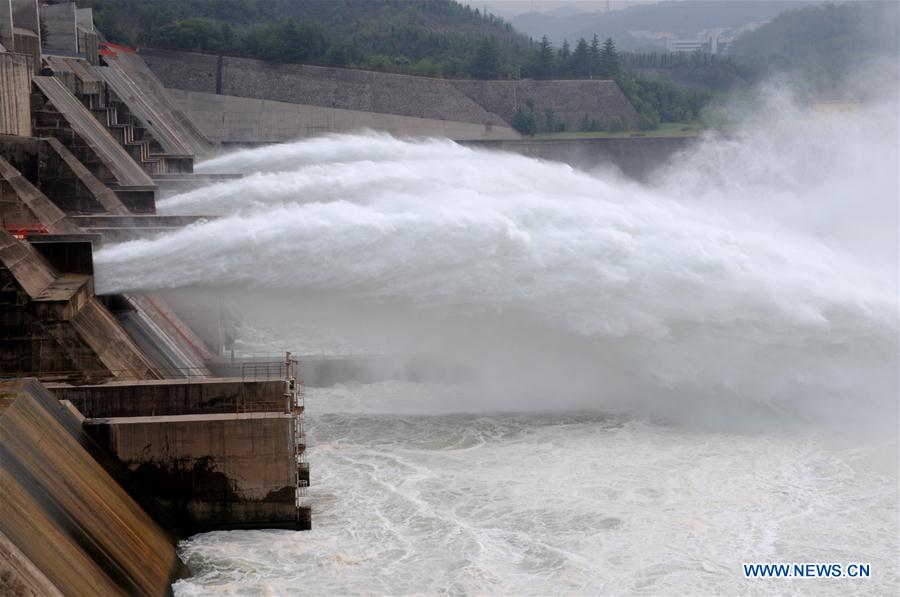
column 543, row 60
column 595, row 56
column 609, row 59
column 306, row 41
column 524, row 121
column 486, row 63
column 581, row 59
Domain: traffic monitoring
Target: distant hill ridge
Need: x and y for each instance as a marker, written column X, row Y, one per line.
column 422, row 36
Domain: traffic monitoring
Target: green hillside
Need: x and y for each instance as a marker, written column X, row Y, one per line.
column 431, row 37
column 827, row 46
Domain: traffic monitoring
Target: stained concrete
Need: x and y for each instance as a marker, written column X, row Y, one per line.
column 370, row 94
column 6, row 24
column 215, row 453
column 66, row 526
column 59, row 26
column 238, row 120
column 116, row 160
column 569, row 101
column 26, row 15
column 172, row 347
column 78, row 75
column 72, row 186
column 348, row 89
column 211, row 471
column 26, row 31
column 28, row 43
column 53, row 327
column 24, row 207
column 15, row 92
column 145, row 95
column 172, row 397
column 55, row 172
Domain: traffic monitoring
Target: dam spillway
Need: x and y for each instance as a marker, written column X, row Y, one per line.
column 144, row 269
column 117, row 438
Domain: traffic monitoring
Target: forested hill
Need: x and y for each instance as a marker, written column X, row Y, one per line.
column 827, row 45
column 427, row 37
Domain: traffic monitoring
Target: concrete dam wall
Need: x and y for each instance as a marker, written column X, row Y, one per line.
column 246, row 100
column 228, row 119
column 348, row 89
column 557, row 104
column 242, row 100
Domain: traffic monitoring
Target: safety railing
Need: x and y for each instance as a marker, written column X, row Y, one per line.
column 302, row 490
column 264, row 370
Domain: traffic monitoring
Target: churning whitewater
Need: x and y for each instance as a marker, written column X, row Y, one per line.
column 647, row 384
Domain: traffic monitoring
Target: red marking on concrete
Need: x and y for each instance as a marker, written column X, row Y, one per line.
column 198, row 351
column 22, row 232
column 111, row 46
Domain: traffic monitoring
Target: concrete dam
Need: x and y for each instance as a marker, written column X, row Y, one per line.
column 128, row 422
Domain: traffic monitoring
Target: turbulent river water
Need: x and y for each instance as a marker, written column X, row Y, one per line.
column 561, row 503
column 651, row 382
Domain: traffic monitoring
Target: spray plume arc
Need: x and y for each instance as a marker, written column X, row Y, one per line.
column 757, row 269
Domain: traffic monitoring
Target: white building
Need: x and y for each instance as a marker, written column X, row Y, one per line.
column 710, row 41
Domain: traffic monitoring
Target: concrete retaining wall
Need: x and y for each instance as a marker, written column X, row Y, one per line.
column 6, row 24
column 28, row 43
column 363, row 91
column 26, row 15
column 567, row 102
column 229, row 119
column 210, row 471
column 59, row 24
column 67, row 527
column 370, row 93
column 15, row 95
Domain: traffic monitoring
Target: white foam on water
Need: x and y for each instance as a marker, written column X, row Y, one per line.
column 558, row 504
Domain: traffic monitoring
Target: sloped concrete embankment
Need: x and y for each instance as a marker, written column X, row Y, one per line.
column 242, row 100
column 66, row 526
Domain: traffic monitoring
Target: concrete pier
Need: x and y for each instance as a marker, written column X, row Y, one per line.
column 213, row 453
column 225, row 471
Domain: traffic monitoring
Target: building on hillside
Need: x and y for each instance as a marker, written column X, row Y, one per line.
column 710, row 41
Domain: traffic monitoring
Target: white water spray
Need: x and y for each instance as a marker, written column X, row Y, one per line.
column 757, row 274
